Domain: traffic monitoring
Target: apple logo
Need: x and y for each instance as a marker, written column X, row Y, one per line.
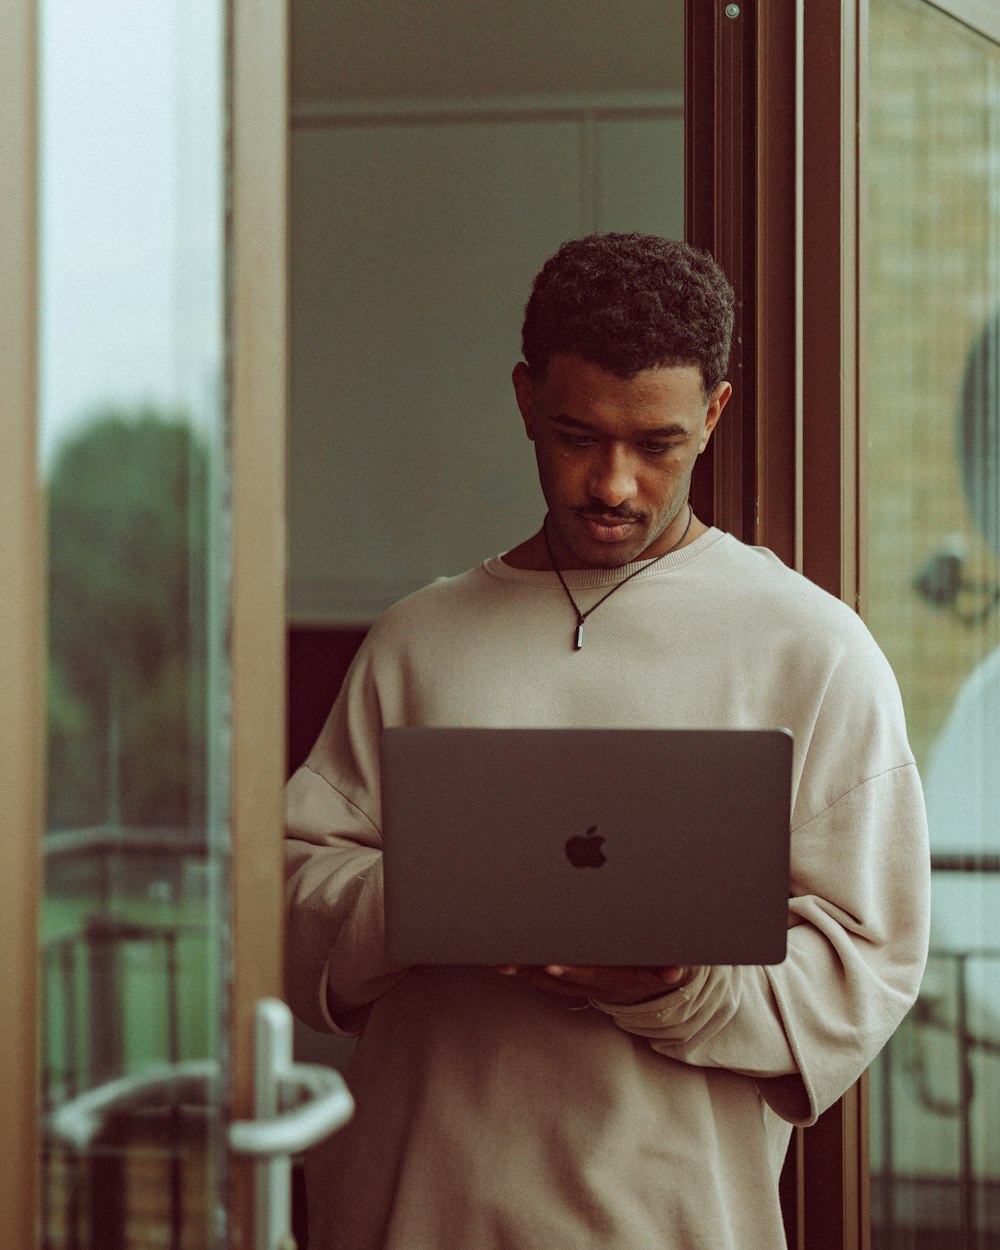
column 585, row 851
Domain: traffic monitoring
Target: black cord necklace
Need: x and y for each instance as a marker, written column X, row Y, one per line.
column 582, row 616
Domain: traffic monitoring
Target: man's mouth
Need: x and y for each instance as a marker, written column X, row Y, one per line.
column 608, row 527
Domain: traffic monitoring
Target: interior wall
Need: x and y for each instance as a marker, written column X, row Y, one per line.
column 350, row 50
column 421, row 208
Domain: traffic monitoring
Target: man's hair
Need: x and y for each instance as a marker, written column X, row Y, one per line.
column 630, row 302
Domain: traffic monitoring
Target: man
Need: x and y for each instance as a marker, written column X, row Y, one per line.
column 610, row 1108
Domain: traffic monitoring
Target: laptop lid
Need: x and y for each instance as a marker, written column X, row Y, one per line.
column 586, row 846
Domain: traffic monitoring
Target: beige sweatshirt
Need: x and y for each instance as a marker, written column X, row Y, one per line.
column 492, row 1116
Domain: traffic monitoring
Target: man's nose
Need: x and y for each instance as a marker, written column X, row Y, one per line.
column 612, row 478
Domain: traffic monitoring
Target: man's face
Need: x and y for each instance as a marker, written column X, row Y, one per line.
column 615, row 457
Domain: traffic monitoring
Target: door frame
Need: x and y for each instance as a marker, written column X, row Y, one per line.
column 21, row 626
column 256, row 390
column 785, row 219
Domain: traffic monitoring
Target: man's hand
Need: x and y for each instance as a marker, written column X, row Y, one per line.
column 608, row 985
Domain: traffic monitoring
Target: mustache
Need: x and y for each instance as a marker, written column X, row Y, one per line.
column 602, row 513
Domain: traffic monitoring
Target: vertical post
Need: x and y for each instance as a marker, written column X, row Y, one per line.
column 836, row 1184
column 888, row 1184
column 720, row 142
column 832, row 384
column 835, row 1175
column 258, row 331
column 776, row 223
column 21, row 627
column 735, row 140
column 784, row 216
column 700, row 177
column 742, row 162
column 175, row 1169
column 967, row 1214
column 105, row 1165
column 103, row 937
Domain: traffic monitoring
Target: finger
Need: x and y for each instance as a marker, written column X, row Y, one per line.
column 573, row 972
column 541, row 979
column 605, row 974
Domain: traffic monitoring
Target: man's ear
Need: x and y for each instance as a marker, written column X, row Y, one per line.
column 524, row 390
column 717, row 401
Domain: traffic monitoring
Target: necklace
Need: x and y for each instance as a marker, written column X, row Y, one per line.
column 582, row 616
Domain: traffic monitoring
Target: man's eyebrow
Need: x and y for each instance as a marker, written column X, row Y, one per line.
column 655, row 431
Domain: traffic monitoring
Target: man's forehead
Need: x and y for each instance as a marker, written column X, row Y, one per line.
column 570, row 374
column 569, row 366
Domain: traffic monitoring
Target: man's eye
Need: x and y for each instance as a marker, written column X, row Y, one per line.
column 657, row 449
column 577, row 440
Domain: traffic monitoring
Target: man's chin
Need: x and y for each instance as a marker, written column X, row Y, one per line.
column 589, row 550
column 600, row 555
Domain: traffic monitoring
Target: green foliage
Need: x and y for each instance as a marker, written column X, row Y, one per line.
column 128, row 514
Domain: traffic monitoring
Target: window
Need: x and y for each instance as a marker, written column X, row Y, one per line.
column 933, row 542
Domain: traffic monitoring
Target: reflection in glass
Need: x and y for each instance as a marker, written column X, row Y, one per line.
column 934, row 586
column 131, row 348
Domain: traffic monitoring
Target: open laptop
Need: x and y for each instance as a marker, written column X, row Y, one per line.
column 586, row 846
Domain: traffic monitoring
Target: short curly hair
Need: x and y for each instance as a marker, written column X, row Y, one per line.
column 630, row 302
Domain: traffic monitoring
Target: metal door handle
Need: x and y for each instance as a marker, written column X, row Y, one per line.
column 330, row 1106
column 277, row 1132
column 77, row 1121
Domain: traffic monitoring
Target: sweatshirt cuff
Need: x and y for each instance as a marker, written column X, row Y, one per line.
column 656, row 1011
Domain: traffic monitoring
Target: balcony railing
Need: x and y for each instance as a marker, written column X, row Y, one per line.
column 126, row 939
column 953, row 1207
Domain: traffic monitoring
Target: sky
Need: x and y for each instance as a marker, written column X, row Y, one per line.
column 130, row 208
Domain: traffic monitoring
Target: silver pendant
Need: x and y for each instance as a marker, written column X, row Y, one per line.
column 578, row 641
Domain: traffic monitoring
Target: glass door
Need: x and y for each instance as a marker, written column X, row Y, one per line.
column 132, row 442
column 933, row 550
column 150, row 1098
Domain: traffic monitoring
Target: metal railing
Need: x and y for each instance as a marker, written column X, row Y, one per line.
column 106, row 963
column 959, row 1211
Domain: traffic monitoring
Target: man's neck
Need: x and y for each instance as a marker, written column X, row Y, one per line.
column 530, row 555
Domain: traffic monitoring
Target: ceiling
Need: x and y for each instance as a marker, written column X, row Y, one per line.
column 379, row 50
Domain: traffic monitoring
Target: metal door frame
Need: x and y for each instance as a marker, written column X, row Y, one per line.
column 21, row 625
column 783, row 215
column 256, row 390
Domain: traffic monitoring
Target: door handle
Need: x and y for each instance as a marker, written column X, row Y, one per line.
column 77, row 1121
column 278, row 1132
column 322, row 1104
column 279, row 1081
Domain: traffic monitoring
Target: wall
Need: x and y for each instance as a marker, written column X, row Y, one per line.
column 429, row 183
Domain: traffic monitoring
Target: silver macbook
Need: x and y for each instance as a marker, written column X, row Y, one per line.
column 586, row 846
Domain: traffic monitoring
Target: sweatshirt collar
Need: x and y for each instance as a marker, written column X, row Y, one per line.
column 585, row 579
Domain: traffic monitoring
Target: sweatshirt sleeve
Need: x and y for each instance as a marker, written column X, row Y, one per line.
column 858, row 930
column 335, row 964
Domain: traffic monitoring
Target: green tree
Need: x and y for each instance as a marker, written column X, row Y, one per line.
column 127, row 512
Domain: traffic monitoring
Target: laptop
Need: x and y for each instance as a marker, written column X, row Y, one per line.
column 586, row 846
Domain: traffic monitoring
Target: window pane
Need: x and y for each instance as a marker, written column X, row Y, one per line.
column 933, row 500
column 131, row 348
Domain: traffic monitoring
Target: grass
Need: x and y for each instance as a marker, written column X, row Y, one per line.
column 120, row 993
